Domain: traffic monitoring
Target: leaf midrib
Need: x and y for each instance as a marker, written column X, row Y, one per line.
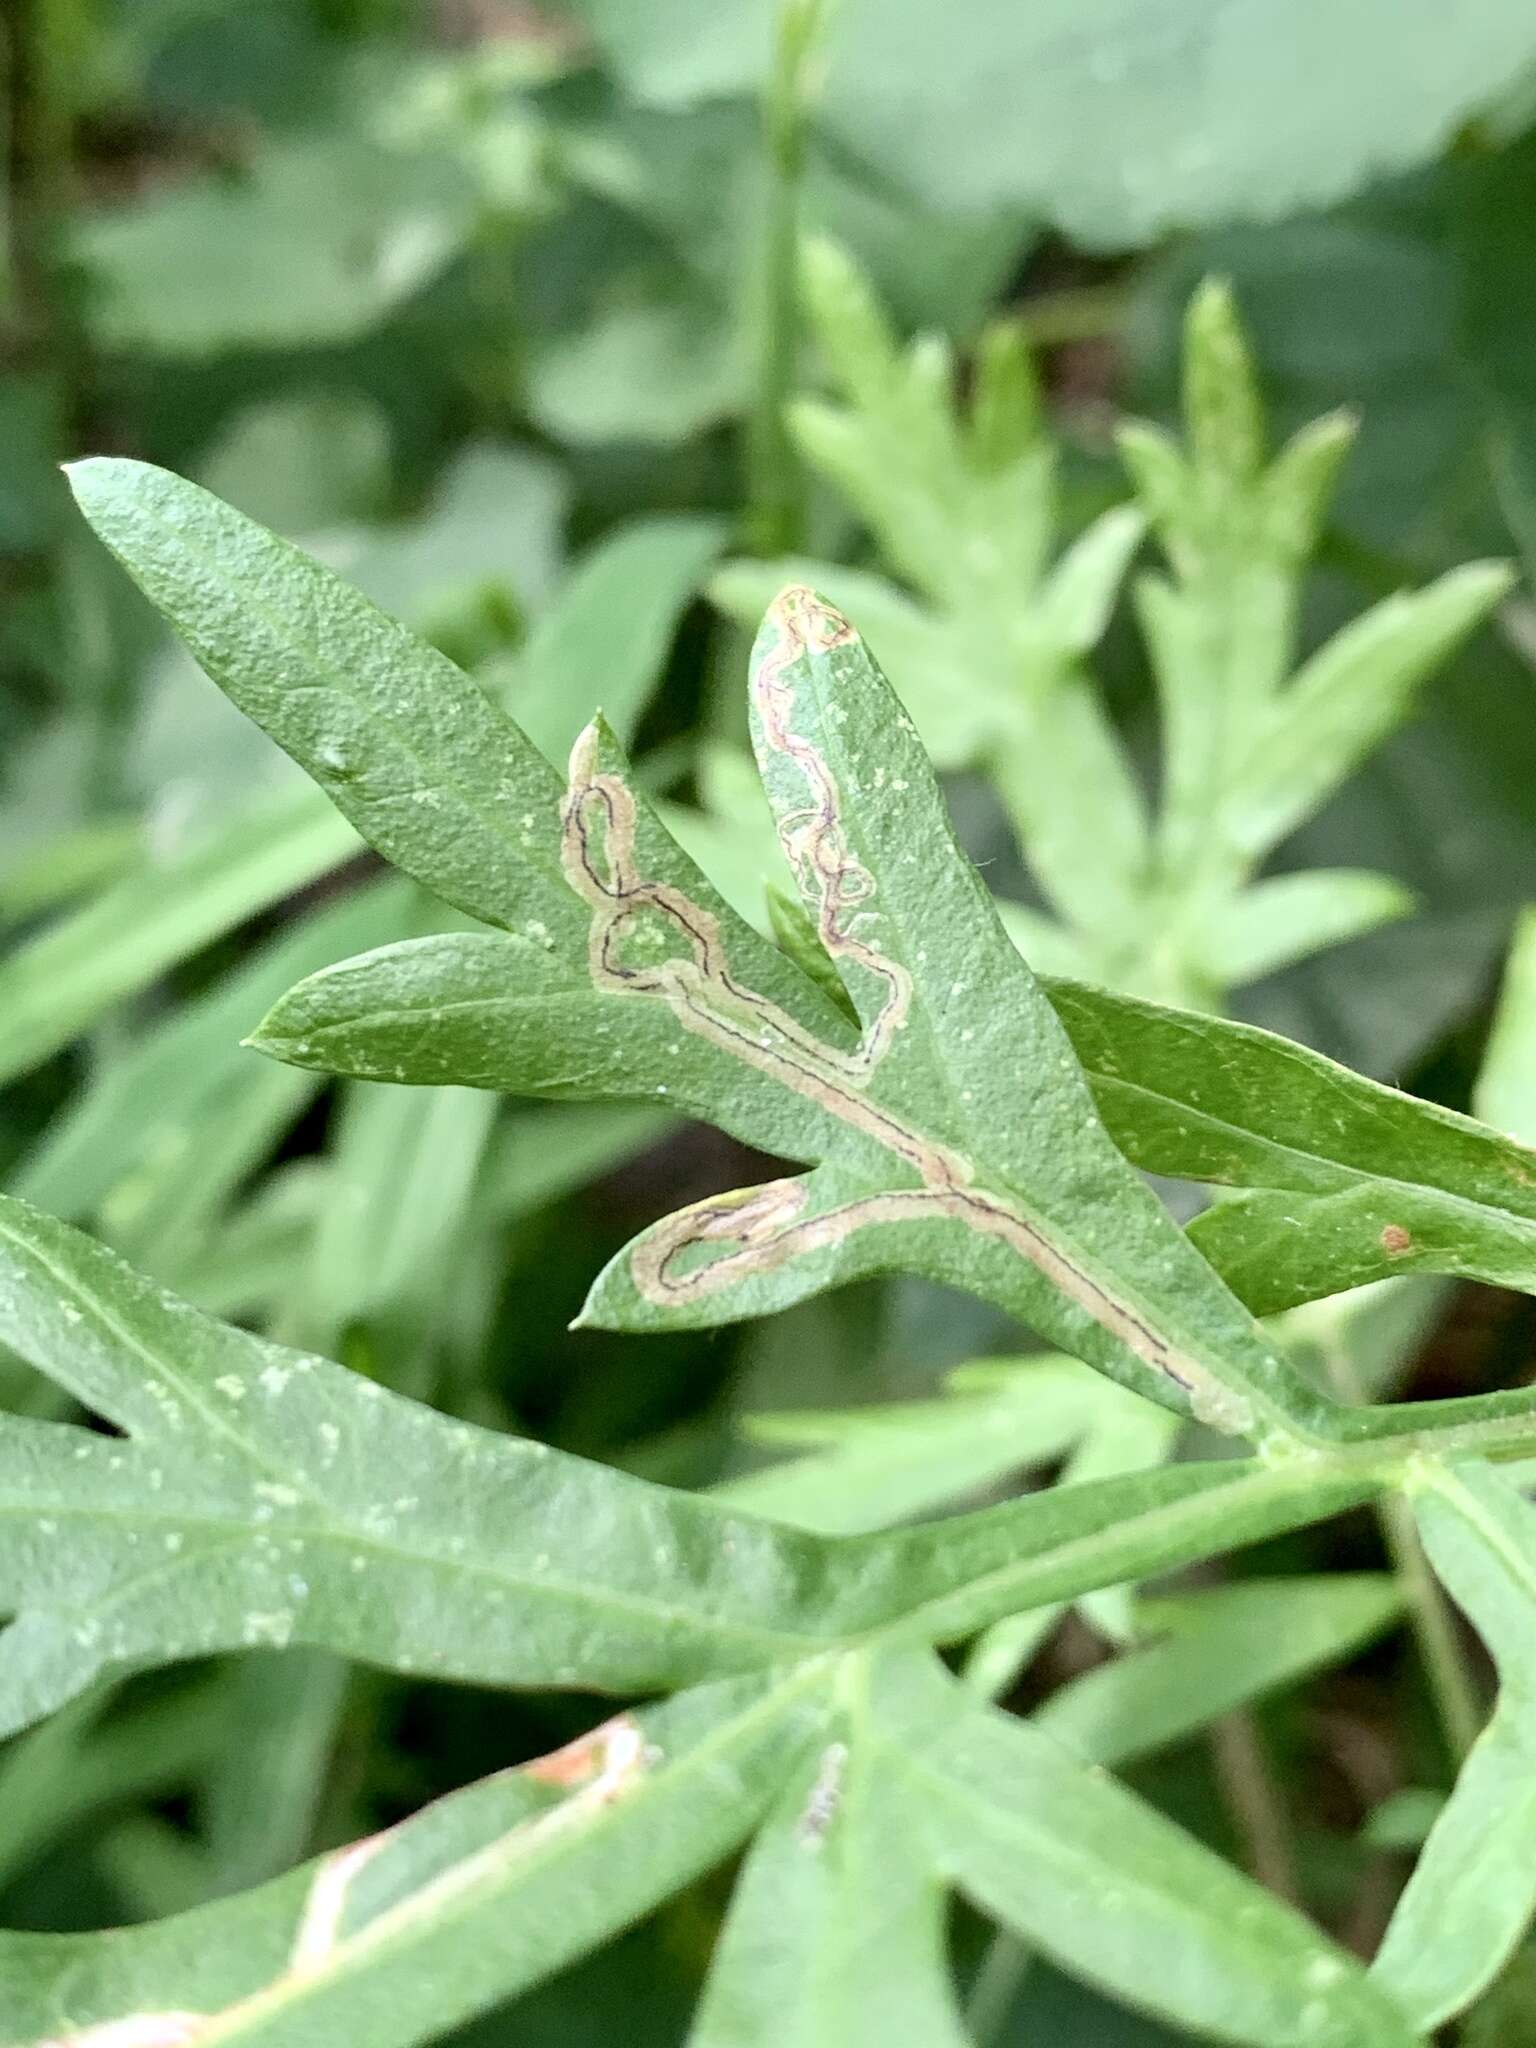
column 1259, row 1480
column 779, row 1644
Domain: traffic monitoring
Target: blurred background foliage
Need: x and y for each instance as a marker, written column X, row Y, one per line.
column 495, row 307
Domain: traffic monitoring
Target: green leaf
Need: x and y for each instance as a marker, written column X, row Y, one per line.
column 1473, row 1890
column 1052, row 950
column 962, row 500
column 795, row 935
column 96, row 1757
column 939, row 1081
column 305, row 462
column 399, row 1181
column 836, row 1920
column 217, row 262
column 1212, row 1652
column 486, row 1011
column 246, row 1273
column 962, row 710
column 732, row 839
column 1245, row 759
column 661, row 365
column 1349, row 695
column 1354, row 1181
column 401, row 1936
column 1079, row 593
column 163, row 1133
column 928, row 489
column 262, row 1790
column 878, row 1465
column 245, row 1510
column 1066, row 1236
column 68, row 864
column 1109, row 1889
column 1403, row 1819
column 1223, row 415
column 836, row 1926
column 682, row 51
column 1116, row 135
column 56, row 984
column 1289, row 916
column 397, row 1200
column 1093, row 120
column 1124, row 1435
column 879, row 1782
column 1505, row 1095
column 1039, row 1213
column 403, row 743
column 492, row 528
column 1250, row 750
column 1071, row 1540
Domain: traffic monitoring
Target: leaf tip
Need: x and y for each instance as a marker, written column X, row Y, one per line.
column 1496, row 578
column 85, row 477
column 274, row 1040
column 595, row 747
column 597, row 1311
column 806, row 623
column 90, row 476
column 825, row 265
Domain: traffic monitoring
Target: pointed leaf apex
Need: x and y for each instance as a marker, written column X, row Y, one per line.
column 586, row 748
column 1223, row 415
column 824, row 261
column 1494, row 579
column 86, row 467
column 93, row 479
column 1005, row 408
column 1301, row 480
column 807, row 621
column 850, row 326
column 1213, row 303
column 274, row 1037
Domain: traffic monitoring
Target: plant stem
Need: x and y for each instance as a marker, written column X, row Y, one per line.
column 1249, row 1789
column 44, row 55
column 774, row 492
column 1434, row 1626
column 36, row 145
column 41, row 55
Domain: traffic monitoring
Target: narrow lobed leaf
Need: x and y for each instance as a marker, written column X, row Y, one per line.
column 1353, row 1180
column 244, row 1510
column 403, row 743
column 392, row 1939
column 1112, row 1891
column 1473, row 1890
column 1212, row 1652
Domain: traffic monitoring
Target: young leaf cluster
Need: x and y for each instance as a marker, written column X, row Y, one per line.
column 987, row 631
